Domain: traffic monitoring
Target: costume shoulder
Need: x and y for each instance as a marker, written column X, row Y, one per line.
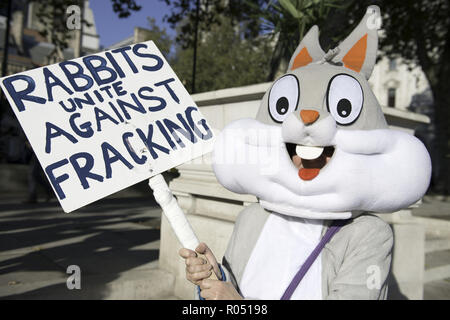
column 368, row 226
column 247, row 228
column 358, row 259
column 251, row 214
column 365, row 232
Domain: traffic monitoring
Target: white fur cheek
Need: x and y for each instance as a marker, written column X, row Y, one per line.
column 405, row 176
column 246, row 156
column 394, row 176
column 387, row 170
column 368, row 142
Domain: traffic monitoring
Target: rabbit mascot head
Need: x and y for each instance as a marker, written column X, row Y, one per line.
column 320, row 147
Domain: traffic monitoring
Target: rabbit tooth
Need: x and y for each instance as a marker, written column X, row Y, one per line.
column 308, row 153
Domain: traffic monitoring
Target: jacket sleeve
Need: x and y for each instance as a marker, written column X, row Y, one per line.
column 366, row 263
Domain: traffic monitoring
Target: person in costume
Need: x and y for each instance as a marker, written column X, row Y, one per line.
column 327, row 161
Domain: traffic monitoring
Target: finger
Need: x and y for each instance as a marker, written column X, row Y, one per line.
column 207, row 294
column 216, row 270
column 198, row 276
column 186, row 253
column 195, row 261
column 202, row 248
column 208, row 283
column 212, row 261
column 198, row 268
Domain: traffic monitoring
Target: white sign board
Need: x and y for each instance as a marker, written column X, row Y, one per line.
column 101, row 123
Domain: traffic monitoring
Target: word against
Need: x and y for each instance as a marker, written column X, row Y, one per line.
column 373, row 281
column 74, row 280
column 101, row 123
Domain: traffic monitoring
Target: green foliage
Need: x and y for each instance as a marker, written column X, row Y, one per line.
column 124, row 8
column 306, row 12
column 184, row 15
column 224, row 60
column 159, row 35
column 283, row 22
column 416, row 30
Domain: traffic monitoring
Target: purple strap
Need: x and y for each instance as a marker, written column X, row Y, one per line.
column 335, row 227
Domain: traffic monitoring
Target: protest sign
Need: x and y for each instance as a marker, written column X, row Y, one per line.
column 103, row 122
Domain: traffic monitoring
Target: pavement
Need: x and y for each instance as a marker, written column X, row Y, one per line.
column 115, row 243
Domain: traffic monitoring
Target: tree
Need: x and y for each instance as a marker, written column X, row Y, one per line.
column 191, row 17
column 286, row 21
column 159, row 35
column 225, row 59
column 283, row 22
column 52, row 16
column 184, row 17
column 418, row 32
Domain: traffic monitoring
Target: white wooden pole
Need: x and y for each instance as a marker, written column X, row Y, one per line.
column 173, row 212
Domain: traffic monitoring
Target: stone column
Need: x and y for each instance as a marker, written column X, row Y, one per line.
column 408, row 258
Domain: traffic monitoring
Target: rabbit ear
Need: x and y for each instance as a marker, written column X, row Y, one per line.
column 358, row 51
column 308, row 50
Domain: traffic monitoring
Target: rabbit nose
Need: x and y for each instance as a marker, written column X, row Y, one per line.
column 309, row 116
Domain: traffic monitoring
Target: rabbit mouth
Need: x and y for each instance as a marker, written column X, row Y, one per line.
column 309, row 160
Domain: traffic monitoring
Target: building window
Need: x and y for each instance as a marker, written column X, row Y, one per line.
column 391, row 97
column 392, row 64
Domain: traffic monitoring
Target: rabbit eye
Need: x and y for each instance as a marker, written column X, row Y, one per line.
column 283, row 97
column 344, row 99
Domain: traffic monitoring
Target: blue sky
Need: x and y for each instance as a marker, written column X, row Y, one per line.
column 111, row 29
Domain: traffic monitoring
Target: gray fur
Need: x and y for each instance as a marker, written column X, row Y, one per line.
column 346, row 260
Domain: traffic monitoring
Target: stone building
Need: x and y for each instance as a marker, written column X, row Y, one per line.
column 395, row 85
column 139, row 35
column 28, row 49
